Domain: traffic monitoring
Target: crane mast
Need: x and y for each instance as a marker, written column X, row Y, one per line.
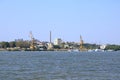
column 32, row 46
column 81, row 43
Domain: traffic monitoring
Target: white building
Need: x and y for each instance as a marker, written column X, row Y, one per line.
column 57, row 41
column 102, row 46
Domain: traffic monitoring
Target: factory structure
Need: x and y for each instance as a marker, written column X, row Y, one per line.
column 57, row 44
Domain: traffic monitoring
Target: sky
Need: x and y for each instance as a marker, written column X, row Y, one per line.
column 97, row 21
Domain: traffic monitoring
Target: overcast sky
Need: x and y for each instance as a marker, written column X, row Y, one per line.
column 97, row 21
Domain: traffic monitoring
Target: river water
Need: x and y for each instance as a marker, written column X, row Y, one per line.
column 59, row 65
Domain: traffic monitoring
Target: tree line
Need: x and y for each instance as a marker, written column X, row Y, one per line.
column 113, row 47
column 12, row 44
column 26, row 44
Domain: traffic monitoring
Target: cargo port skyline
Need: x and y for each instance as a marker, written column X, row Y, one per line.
column 47, row 39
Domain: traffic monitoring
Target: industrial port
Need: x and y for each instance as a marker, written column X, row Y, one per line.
column 58, row 44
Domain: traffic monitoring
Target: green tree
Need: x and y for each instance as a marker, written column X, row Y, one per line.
column 22, row 44
column 113, row 47
column 12, row 44
column 4, row 44
column 56, row 46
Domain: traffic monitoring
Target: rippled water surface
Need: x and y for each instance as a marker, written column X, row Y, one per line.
column 59, row 66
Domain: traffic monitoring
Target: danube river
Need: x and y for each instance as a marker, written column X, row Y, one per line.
column 59, row 65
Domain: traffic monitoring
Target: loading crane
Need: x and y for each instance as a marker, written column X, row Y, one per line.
column 32, row 45
column 81, row 43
